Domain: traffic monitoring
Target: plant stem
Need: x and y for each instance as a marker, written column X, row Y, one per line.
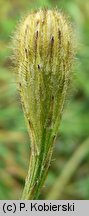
column 38, row 169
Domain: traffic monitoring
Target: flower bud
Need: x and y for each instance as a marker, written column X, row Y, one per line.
column 44, row 57
column 44, row 53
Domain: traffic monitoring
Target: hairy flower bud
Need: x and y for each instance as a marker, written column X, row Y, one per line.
column 44, row 53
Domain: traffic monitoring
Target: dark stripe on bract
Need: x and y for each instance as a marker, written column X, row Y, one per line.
column 36, row 34
column 30, row 125
column 52, row 40
column 20, row 84
column 35, row 43
column 26, row 52
column 39, row 67
column 51, row 47
column 59, row 36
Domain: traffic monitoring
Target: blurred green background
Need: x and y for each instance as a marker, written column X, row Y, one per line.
column 69, row 171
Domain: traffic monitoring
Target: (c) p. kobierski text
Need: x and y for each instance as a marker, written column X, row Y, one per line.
column 49, row 207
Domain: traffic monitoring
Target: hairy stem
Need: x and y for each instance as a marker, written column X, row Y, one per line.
column 38, row 169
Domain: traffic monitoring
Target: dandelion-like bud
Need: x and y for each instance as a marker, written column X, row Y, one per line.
column 44, row 53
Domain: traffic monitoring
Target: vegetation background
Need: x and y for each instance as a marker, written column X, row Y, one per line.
column 68, row 176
